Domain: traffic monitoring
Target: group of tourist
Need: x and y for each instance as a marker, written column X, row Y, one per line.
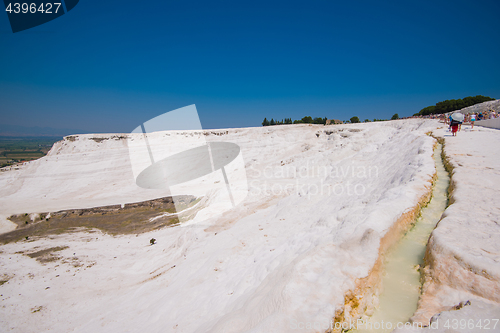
column 482, row 116
column 469, row 118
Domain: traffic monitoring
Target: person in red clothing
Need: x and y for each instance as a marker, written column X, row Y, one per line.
column 454, row 127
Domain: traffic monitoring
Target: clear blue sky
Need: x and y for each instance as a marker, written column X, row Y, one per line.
column 107, row 66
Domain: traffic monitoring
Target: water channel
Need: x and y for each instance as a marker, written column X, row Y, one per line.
column 401, row 278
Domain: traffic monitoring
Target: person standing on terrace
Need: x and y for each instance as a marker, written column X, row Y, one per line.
column 472, row 120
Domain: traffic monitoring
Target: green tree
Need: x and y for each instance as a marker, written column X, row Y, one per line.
column 265, row 122
column 367, row 120
column 318, row 120
column 272, row 122
column 452, row 105
column 354, row 120
column 307, row 120
column 395, row 116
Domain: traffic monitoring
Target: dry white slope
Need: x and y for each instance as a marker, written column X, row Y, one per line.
column 278, row 258
column 482, row 107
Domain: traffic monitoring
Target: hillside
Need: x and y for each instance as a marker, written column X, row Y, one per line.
column 276, row 254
